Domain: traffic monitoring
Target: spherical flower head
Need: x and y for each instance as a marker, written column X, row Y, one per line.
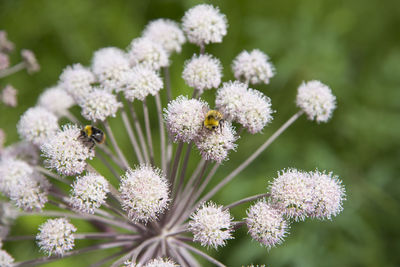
column 215, row 144
column 88, row 193
column 56, row 100
column 184, row 118
column 159, row 262
column 140, row 82
column 211, row 225
column 253, row 67
column 328, row 195
column 37, row 125
column 249, row 107
column 204, row 24
column 292, row 191
column 11, row 172
column 4, row 61
column 77, row 81
column 30, row 61
column 202, row 72
column 144, row 193
column 65, row 151
column 9, row 96
column 23, row 150
column 5, row 259
column 316, row 100
column 167, row 33
column 147, row 52
column 109, row 65
column 56, row 236
column 266, row 224
column 99, row 105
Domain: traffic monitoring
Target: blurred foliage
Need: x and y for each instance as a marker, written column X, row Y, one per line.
column 353, row 46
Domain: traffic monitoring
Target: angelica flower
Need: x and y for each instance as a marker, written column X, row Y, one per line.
column 109, row 65
column 65, row 151
column 316, row 100
column 9, row 96
column 253, row 67
column 37, row 125
column 88, row 193
column 77, row 81
column 6, row 260
column 99, row 105
column 56, row 236
column 211, row 225
column 204, row 24
column 6, row 46
column 11, row 172
column 202, row 72
column 144, row 193
column 266, row 224
column 30, row 60
column 56, row 100
column 167, row 33
column 216, row 144
column 184, row 118
column 147, row 52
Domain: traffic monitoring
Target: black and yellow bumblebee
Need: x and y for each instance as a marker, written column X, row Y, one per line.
column 213, row 120
column 91, row 136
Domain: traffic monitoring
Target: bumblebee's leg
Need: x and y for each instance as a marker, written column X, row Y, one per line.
column 92, row 144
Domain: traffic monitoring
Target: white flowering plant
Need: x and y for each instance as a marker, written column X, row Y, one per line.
column 154, row 208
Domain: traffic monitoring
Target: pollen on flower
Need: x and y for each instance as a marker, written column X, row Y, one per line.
column 56, row 100
column 204, row 24
column 6, row 260
column 65, row 151
column 88, row 193
column 109, row 65
column 167, row 33
column 37, row 125
column 215, row 144
column 147, row 52
column 316, row 100
column 253, row 67
column 184, row 118
column 328, row 195
column 202, row 72
column 144, row 193
column 211, row 225
column 266, row 224
column 99, row 105
column 140, row 82
column 292, row 191
column 77, row 81
column 56, row 236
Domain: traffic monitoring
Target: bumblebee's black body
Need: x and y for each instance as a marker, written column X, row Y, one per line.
column 91, row 136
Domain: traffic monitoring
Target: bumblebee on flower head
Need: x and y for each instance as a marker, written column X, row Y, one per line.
column 213, row 120
column 91, row 136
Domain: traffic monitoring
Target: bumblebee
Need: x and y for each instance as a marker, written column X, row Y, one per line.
column 213, row 120
column 91, row 136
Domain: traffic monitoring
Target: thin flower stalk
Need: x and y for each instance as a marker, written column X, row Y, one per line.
column 148, row 131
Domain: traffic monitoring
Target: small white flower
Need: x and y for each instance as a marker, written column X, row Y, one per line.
column 65, row 151
column 266, row 224
column 56, row 100
column 316, row 100
column 9, row 96
column 167, row 33
column 216, row 144
column 5, row 259
column 99, row 105
column 88, row 193
column 109, row 65
column 4, row 61
column 56, row 236
column 37, row 125
column 184, row 118
column 249, row 107
column 140, row 82
column 211, row 225
column 11, row 171
column 147, row 52
column 144, row 193
column 31, row 63
column 159, row 262
column 292, row 191
column 77, row 81
column 204, row 24
column 202, row 72
column 328, row 195
column 253, row 67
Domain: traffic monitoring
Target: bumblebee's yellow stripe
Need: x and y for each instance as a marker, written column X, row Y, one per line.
column 88, row 130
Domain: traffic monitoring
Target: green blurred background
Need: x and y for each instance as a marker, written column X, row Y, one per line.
column 353, row 46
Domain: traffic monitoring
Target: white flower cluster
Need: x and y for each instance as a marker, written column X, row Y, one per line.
column 6, row 260
column 77, row 81
column 147, row 52
column 159, row 262
column 99, row 105
column 56, row 100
